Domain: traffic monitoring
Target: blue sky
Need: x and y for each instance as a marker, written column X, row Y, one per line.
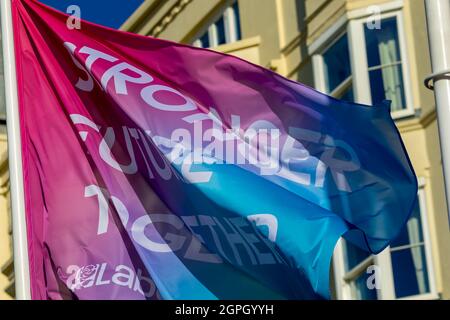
column 111, row 13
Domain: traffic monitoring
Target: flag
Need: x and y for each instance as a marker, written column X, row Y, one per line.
column 156, row 170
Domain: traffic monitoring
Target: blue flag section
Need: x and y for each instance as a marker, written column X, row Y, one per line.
column 361, row 186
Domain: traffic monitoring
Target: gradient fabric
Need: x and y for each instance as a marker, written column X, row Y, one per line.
column 156, row 170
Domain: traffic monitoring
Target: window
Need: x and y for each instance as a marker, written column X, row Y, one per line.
column 405, row 267
column 365, row 64
column 226, row 28
column 337, row 70
column 356, row 263
column 408, row 256
column 385, row 64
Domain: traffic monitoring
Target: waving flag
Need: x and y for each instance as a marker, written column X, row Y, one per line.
column 157, row 170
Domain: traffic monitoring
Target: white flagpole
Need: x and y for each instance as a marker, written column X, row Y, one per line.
column 438, row 20
column 21, row 264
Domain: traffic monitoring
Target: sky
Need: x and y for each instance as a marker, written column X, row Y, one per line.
column 110, row 13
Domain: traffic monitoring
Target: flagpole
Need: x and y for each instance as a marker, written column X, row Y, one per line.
column 438, row 21
column 21, row 263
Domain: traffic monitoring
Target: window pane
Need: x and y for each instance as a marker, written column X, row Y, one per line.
column 220, row 28
column 409, row 265
column 382, row 44
column 354, row 255
column 412, row 232
column 347, row 95
column 336, row 64
column 237, row 20
column 410, row 271
column 225, row 29
column 387, row 84
column 360, row 290
column 205, row 40
column 383, row 49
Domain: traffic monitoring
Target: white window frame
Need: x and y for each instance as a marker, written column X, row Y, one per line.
column 383, row 261
column 354, row 28
column 227, row 12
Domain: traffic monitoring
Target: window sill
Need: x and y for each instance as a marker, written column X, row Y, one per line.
column 416, row 121
column 247, row 49
column 238, row 45
column 403, row 114
column 425, row 296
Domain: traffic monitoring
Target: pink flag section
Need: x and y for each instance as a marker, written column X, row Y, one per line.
column 75, row 251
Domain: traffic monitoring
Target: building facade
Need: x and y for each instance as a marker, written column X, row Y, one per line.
column 359, row 50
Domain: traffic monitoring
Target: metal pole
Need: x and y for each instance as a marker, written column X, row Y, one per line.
column 438, row 20
column 21, row 264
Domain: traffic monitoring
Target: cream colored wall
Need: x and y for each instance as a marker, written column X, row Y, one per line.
column 185, row 25
column 176, row 20
column 184, row 20
column 260, row 20
column 5, row 223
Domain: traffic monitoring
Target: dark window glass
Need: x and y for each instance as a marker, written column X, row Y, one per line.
column 237, row 18
column 412, row 232
column 348, row 94
column 361, row 290
column 337, row 64
column 408, row 258
column 220, row 27
column 205, row 40
column 410, row 272
column 385, row 64
column 354, row 255
column 382, row 44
